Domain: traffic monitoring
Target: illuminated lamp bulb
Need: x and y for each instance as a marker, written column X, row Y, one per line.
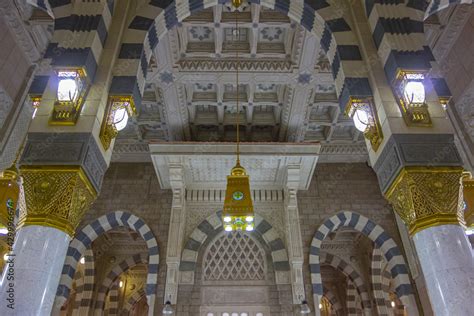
column 67, row 90
column 249, row 228
column 415, row 92
column 392, row 303
column 121, row 284
column 3, row 230
column 227, row 219
column 82, row 260
column 5, row 257
column 249, row 219
column 320, row 306
column 228, row 228
column 120, row 118
column 361, row 120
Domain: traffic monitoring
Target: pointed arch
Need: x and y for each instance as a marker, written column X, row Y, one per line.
column 113, row 276
column 354, row 277
column 90, row 232
column 88, row 287
column 336, row 305
column 134, row 299
column 322, row 18
column 212, row 226
column 113, row 300
column 395, row 261
column 380, row 279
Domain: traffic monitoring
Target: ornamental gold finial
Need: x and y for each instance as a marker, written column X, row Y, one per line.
column 236, row 3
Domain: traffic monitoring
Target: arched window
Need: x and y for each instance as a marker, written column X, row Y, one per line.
column 234, row 256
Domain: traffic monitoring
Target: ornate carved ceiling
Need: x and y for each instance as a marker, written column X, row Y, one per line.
column 286, row 90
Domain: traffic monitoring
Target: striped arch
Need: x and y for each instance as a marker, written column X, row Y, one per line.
column 438, row 5
column 79, row 283
column 88, row 287
column 134, row 299
column 211, row 226
column 353, row 308
column 89, row 233
column 321, row 18
column 336, row 305
column 80, row 32
column 112, row 301
column 380, row 278
column 113, row 276
column 354, row 277
column 395, row 261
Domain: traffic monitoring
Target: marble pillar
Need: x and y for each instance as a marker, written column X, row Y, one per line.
column 445, row 256
column 31, row 275
column 428, row 200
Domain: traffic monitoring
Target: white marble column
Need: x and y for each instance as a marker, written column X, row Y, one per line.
column 447, row 263
column 35, row 264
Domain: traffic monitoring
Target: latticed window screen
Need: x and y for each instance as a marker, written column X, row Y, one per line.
column 234, row 257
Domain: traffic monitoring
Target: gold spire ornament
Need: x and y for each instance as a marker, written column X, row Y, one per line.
column 238, row 207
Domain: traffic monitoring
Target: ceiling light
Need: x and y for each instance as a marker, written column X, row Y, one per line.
column 238, row 205
column 82, row 260
column 304, row 308
column 167, row 309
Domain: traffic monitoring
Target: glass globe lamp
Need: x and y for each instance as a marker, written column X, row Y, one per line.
column 168, row 310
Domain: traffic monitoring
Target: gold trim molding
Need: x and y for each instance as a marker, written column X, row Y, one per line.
column 468, row 195
column 55, row 196
column 427, row 196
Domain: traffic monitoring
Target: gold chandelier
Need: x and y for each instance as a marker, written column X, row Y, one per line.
column 238, row 207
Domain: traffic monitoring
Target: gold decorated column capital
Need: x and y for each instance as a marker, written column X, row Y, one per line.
column 55, row 196
column 427, row 196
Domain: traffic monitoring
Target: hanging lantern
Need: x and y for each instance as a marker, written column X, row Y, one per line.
column 118, row 111
column 9, row 194
column 70, row 95
column 238, row 207
column 409, row 87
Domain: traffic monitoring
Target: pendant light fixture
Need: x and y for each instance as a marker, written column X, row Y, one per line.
column 238, row 207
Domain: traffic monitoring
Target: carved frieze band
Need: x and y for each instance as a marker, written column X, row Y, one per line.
column 66, row 149
column 404, row 150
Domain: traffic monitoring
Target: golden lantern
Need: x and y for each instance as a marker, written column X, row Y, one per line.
column 238, row 207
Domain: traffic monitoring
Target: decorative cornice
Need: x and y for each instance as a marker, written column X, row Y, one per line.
column 230, row 65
